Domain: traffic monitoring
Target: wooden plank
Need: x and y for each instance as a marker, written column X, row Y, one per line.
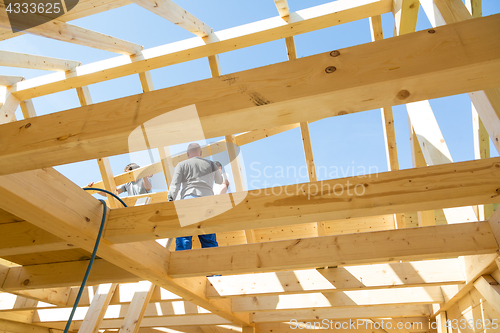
column 64, row 274
column 28, row 109
column 405, row 15
column 108, row 180
column 45, row 195
column 252, row 136
column 395, row 275
column 489, row 288
column 167, row 164
column 434, row 187
column 392, row 311
column 350, row 249
column 57, row 296
column 8, row 80
column 135, row 314
column 238, row 110
column 59, row 30
column 487, row 102
column 95, row 313
column 341, row 299
column 8, row 106
column 311, row 19
column 391, row 150
column 175, row 14
column 8, row 326
column 23, row 237
column 146, row 81
column 282, row 6
column 494, row 222
column 84, row 95
column 22, row 60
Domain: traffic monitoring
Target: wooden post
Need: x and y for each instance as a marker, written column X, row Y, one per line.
column 28, row 108
column 97, row 309
column 108, row 179
column 132, row 321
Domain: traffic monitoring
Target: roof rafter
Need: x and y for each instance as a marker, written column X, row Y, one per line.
column 59, row 30
column 22, row 60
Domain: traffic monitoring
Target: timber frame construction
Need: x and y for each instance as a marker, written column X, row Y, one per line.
column 419, row 249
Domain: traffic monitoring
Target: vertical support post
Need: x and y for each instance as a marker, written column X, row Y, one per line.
column 108, row 179
column 97, row 309
column 28, row 109
column 133, row 318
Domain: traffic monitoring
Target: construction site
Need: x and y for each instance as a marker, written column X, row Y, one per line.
column 409, row 248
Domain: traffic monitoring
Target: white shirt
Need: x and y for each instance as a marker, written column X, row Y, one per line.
column 218, row 187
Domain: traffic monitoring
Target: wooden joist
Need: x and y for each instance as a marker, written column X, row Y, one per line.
column 344, row 299
column 351, row 249
column 8, row 80
column 392, row 311
column 395, row 275
column 64, row 274
column 435, row 187
column 52, row 202
column 311, row 19
column 22, row 60
column 59, row 30
column 175, row 14
column 326, row 94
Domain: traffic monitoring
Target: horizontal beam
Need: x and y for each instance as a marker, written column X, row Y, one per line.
column 366, row 248
column 175, row 14
column 22, row 60
column 303, row 21
column 23, row 237
column 66, row 274
column 392, row 311
column 434, row 187
column 59, row 139
column 395, row 275
column 343, row 299
column 62, row 31
column 8, row 80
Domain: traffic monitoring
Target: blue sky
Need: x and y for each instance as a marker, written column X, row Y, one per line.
column 351, row 143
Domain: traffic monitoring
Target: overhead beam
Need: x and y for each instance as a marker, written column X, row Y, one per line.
column 351, row 249
column 486, row 102
column 395, row 275
column 488, row 287
column 440, row 186
column 59, row 30
column 65, row 274
column 311, row 19
column 281, row 103
column 22, row 60
column 8, row 80
column 52, row 202
column 392, row 311
column 175, row 14
column 343, row 299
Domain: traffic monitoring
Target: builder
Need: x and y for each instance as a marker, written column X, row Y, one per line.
column 197, row 176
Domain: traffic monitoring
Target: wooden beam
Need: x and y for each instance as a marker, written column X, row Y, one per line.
column 8, row 80
column 392, row 311
column 65, row 274
column 146, row 81
column 23, row 237
column 108, row 180
column 405, row 16
column 59, row 30
column 350, row 249
column 395, row 275
column 175, row 14
column 343, row 299
column 22, row 60
column 311, row 19
column 252, row 136
column 97, row 310
column 52, row 202
column 435, row 151
column 28, row 109
column 8, row 326
column 135, row 314
column 167, row 164
column 8, row 106
column 283, row 9
column 487, row 102
column 488, row 287
column 288, row 100
column 392, row 192
column 387, row 116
